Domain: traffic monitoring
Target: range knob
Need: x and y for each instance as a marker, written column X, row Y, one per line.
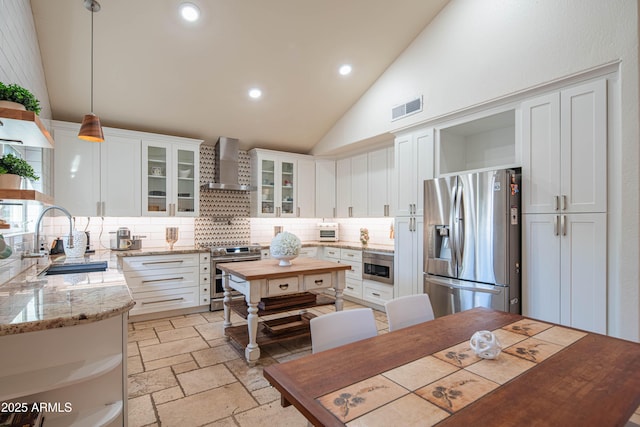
column 219, row 252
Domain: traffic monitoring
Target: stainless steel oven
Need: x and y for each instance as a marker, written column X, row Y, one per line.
column 377, row 266
column 222, row 255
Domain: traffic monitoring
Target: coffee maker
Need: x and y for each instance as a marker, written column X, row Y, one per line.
column 121, row 239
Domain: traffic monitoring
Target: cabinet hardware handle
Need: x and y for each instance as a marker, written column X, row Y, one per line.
column 351, row 255
column 204, row 279
column 564, row 225
column 564, row 202
column 298, row 212
column 180, row 261
column 557, row 202
column 334, row 212
column 205, row 290
column 375, row 294
column 555, row 226
column 164, row 300
column 284, row 286
column 319, row 282
column 350, row 287
column 163, row 280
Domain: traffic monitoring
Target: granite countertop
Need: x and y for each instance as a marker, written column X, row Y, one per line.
column 344, row 245
column 162, row 250
column 30, row 302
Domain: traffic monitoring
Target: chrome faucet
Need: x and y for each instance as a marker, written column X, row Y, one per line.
column 36, row 247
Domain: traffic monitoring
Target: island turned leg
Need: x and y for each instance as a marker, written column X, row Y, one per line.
column 339, row 300
column 252, row 352
column 226, row 302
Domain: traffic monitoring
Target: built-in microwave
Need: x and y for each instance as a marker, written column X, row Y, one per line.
column 328, row 231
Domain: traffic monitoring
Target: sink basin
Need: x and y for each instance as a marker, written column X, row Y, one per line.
column 85, row 267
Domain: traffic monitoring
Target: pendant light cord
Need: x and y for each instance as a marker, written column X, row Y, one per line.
column 92, row 61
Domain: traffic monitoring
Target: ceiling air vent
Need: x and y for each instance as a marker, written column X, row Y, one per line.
column 406, row 109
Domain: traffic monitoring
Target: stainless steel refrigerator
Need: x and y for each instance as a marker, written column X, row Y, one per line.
column 472, row 241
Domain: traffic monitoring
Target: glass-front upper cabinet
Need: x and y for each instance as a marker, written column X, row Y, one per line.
column 171, row 178
column 275, row 185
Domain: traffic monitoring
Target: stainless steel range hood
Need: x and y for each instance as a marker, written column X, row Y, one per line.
column 226, row 167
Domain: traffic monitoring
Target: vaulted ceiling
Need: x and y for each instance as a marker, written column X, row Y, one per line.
column 155, row 72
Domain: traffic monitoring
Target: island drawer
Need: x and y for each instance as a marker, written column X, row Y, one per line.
column 317, row 281
column 283, row 285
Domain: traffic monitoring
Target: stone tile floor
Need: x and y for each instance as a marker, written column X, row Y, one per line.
column 183, row 372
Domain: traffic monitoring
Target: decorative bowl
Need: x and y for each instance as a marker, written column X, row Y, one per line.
column 285, row 246
column 184, row 173
column 285, row 260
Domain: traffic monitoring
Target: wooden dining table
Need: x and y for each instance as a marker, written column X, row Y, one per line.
column 427, row 374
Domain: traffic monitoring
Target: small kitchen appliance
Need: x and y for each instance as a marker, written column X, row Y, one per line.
column 121, row 239
column 328, row 231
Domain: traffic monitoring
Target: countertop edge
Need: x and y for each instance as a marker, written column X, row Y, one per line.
column 61, row 322
column 343, row 245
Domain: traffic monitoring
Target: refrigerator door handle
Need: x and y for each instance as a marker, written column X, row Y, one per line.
column 446, row 284
column 459, row 227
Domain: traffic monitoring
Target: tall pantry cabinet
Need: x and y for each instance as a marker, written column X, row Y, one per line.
column 564, row 179
column 413, row 164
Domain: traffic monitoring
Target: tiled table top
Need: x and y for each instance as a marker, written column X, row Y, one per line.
column 432, row 388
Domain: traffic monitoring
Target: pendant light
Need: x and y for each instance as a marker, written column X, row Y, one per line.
column 91, row 129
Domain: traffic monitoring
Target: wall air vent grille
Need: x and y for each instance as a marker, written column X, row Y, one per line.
column 406, row 109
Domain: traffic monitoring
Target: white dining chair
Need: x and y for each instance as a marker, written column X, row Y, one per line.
column 341, row 327
column 408, row 310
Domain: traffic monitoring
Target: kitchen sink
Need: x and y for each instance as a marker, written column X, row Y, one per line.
column 69, row 268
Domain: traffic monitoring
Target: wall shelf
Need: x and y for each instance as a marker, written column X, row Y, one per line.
column 23, row 128
column 34, row 195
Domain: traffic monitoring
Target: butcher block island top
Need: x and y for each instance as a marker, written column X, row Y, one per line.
column 269, row 268
column 262, row 282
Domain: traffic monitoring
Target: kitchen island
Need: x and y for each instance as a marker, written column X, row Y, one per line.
column 265, row 278
column 64, row 339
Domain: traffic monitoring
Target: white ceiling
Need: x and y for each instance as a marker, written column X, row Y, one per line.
column 153, row 72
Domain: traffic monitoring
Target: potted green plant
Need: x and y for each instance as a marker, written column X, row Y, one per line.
column 12, row 170
column 19, row 95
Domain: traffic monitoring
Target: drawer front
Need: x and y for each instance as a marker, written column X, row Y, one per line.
column 205, row 268
column 205, row 258
column 376, row 293
column 356, row 270
column 310, row 252
column 285, row 285
column 317, row 281
column 205, row 294
column 332, row 253
column 137, row 263
column 205, row 279
column 351, row 255
column 265, row 254
column 154, row 281
column 353, row 288
column 152, row 302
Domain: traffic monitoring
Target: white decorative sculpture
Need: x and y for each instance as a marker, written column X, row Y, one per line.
column 485, row 344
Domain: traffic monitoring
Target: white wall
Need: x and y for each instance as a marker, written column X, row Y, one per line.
column 475, row 52
column 20, row 61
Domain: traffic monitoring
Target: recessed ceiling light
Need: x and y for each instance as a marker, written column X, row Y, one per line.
column 345, row 69
column 255, row 93
column 189, row 12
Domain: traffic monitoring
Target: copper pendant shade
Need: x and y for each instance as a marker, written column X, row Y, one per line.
column 91, row 129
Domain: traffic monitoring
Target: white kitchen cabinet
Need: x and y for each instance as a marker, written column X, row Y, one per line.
column 205, row 279
column 97, row 179
column 280, row 188
column 163, row 282
column 408, row 259
column 381, row 182
column 84, row 366
column 564, row 150
column 171, row 184
column 414, row 154
column 325, row 188
column 353, row 277
column 376, row 292
column 352, row 186
column 564, row 183
column 564, row 274
column 306, row 206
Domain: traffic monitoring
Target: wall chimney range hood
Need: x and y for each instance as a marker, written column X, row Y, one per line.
column 226, row 167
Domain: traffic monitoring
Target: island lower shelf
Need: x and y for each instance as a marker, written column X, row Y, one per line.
column 298, row 326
